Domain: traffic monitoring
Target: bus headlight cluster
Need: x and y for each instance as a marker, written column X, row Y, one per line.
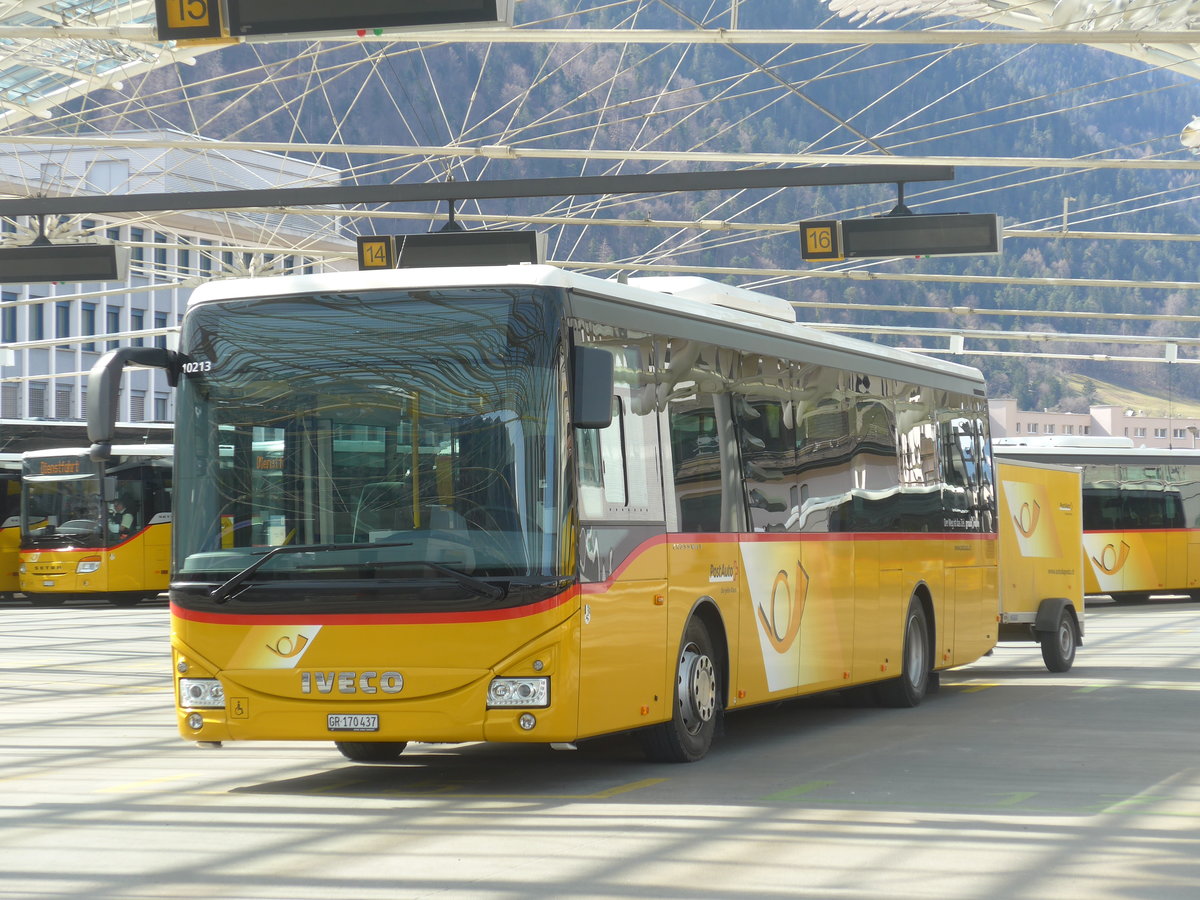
column 88, row 566
column 518, row 692
column 201, row 693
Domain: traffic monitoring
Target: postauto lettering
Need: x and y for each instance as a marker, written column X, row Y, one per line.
column 367, row 682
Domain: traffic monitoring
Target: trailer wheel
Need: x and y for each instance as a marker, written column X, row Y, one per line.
column 909, row 689
column 1058, row 646
column 371, row 751
column 697, row 702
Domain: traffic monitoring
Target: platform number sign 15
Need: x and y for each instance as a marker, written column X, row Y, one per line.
column 182, row 20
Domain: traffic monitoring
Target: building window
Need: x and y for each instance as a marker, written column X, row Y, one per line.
column 10, row 401
column 160, row 408
column 160, row 251
column 137, row 406
column 37, row 322
column 1085, row 429
column 1068, row 429
column 137, row 321
column 137, row 236
column 112, row 324
column 87, row 324
column 1160, row 432
column 37, row 400
column 1033, row 427
column 1179, row 433
column 1139, row 432
column 62, row 319
column 1018, row 431
column 160, row 321
column 1049, row 429
column 8, row 333
column 62, row 402
column 107, row 176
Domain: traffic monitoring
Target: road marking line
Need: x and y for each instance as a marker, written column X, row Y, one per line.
column 799, row 791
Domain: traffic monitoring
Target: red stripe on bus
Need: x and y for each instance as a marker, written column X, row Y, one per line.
column 450, row 618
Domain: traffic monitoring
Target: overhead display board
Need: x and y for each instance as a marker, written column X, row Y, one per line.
column 266, row 18
column 952, row 234
column 450, row 248
column 62, row 263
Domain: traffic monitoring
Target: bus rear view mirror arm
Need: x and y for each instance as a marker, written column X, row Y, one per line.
column 104, row 389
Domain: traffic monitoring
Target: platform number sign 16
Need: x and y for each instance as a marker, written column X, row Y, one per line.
column 181, row 20
column 820, row 240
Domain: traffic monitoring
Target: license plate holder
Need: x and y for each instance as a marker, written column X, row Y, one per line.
column 353, row 722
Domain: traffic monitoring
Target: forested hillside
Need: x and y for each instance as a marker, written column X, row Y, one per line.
column 979, row 101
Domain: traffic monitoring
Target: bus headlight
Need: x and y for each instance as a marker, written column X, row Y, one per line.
column 518, row 692
column 201, row 693
column 88, row 565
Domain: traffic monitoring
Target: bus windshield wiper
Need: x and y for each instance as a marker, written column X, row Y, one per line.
column 478, row 585
column 223, row 592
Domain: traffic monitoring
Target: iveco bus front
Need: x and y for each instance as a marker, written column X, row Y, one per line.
column 520, row 504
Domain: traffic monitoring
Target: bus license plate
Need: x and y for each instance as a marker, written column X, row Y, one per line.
column 356, row 722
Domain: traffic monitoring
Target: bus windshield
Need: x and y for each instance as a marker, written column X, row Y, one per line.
column 66, row 502
column 398, row 435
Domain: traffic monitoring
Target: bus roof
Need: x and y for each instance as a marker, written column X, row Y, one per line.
column 690, row 297
column 1097, row 453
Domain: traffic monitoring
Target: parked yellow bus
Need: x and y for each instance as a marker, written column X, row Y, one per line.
column 521, row 504
column 1141, row 511
column 92, row 530
column 10, row 522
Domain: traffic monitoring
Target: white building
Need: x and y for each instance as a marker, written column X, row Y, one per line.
column 52, row 333
column 1106, row 421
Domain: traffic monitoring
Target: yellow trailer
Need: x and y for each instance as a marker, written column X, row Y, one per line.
column 1041, row 557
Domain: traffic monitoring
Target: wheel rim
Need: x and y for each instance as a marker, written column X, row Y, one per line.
column 697, row 688
column 914, row 654
column 1066, row 638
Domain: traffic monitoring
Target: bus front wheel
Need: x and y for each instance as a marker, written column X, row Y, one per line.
column 1058, row 646
column 697, row 702
column 909, row 689
column 371, row 751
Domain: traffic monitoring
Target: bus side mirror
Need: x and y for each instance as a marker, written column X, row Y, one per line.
column 104, row 389
column 591, row 387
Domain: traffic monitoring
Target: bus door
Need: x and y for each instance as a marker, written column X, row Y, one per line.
column 623, row 559
column 10, row 529
column 776, row 579
column 1149, row 515
column 705, row 515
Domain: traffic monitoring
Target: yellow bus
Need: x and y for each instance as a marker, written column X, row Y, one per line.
column 521, row 504
column 95, row 530
column 10, row 522
column 1141, row 511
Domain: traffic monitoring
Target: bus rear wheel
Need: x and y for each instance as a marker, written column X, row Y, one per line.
column 371, row 751
column 1058, row 646
column 909, row 689
column 697, row 702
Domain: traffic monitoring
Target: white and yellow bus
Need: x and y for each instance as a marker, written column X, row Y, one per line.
column 10, row 522
column 95, row 530
column 521, row 504
column 1141, row 511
